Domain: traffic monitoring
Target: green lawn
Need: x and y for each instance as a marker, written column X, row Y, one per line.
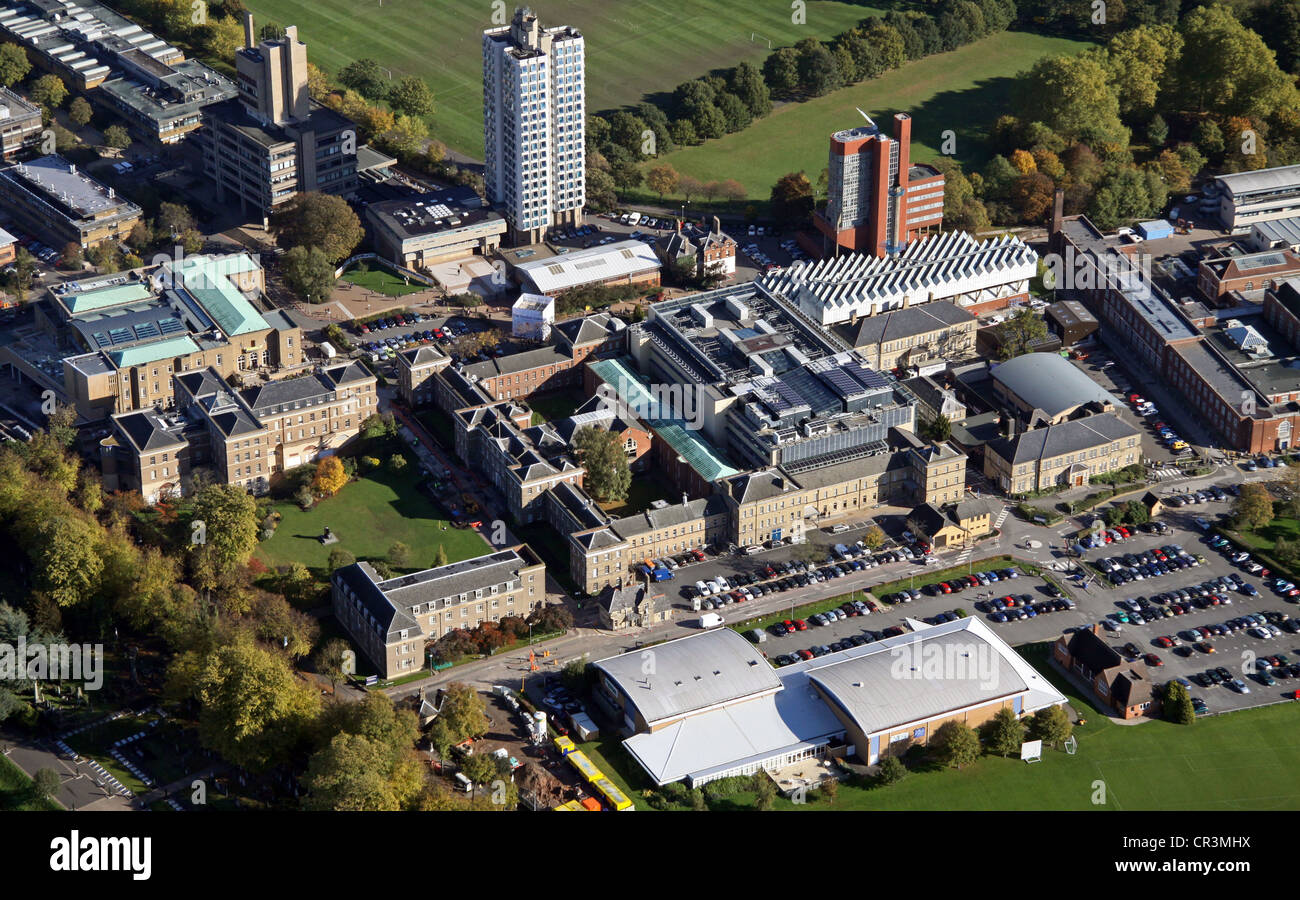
column 383, row 281
column 633, row 50
column 555, row 406
column 644, row 491
column 368, row 515
column 963, row 91
column 1245, row 760
column 15, row 789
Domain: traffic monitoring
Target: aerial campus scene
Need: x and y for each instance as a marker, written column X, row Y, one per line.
column 456, row 405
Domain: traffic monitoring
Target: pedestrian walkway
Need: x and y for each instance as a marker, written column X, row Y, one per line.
column 1002, row 517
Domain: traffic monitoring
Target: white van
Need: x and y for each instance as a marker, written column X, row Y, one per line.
column 710, row 620
column 633, row 218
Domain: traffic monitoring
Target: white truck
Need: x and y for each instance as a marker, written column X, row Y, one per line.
column 328, row 349
column 710, row 620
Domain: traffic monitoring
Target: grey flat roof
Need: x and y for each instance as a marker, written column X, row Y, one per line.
column 1049, row 382
column 66, row 188
column 887, row 688
column 691, row 674
column 1278, row 178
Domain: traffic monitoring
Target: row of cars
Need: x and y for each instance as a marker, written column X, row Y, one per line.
column 854, row 640
column 955, row 586
column 1100, row 537
column 1013, row 608
column 1208, row 495
column 1153, row 563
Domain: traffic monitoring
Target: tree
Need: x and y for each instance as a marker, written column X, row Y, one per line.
column 891, row 770
column 957, row 744
column 313, row 219
column 819, row 73
column 662, row 179
column 331, row 660
column 67, row 559
column 1005, row 733
column 412, row 96
column 399, row 554
column 764, row 791
column 1138, row 62
column 1253, row 508
column 601, row 454
column 480, row 769
column 309, row 273
column 1072, row 96
column 174, row 218
column 781, row 72
column 45, row 785
column 1020, row 332
column 874, row 537
column 79, row 112
column 747, row 83
column 117, row 137
column 365, row 77
column 1157, row 130
column 1051, row 725
column 462, row 713
column 330, row 477
column 48, row 91
column 792, row 199
column 13, row 64
column 340, row 558
column 252, row 708
column 353, row 774
column 1177, row 707
column 689, row 187
column 937, row 429
column 224, row 527
column 1227, row 69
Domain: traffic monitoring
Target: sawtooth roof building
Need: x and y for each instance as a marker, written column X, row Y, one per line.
column 713, row 707
column 977, row 276
column 117, row 64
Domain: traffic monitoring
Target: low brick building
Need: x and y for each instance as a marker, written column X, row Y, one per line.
column 1124, row 688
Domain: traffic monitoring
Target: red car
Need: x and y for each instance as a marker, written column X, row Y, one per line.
column 800, row 625
column 805, row 654
column 1164, row 642
column 1153, row 660
column 945, row 587
column 972, row 581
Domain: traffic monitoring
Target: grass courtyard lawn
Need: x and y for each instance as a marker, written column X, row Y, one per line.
column 368, row 515
column 631, row 49
column 383, row 281
column 645, row 490
column 555, row 406
column 962, row 91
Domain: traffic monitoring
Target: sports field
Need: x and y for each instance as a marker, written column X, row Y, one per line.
column 633, row 49
column 963, row 91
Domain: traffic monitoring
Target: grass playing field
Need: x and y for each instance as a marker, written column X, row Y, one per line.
column 632, row 49
column 963, row 91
